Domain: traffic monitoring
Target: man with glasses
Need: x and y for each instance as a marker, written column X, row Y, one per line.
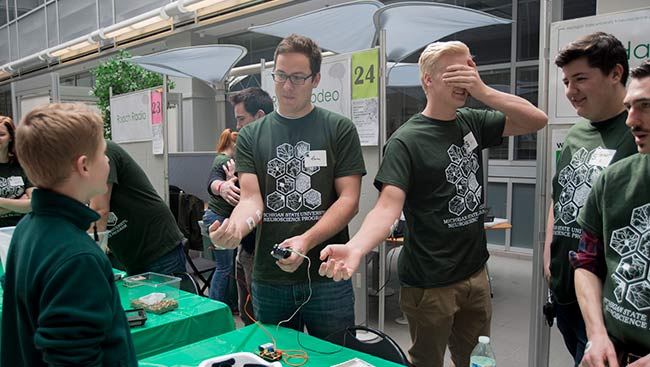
column 301, row 166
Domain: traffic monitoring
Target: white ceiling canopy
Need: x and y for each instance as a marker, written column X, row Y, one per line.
column 340, row 28
column 209, row 63
column 414, row 24
column 355, row 26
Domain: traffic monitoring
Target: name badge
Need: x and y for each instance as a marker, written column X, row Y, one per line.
column 16, row 181
column 470, row 142
column 601, row 157
column 316, row 158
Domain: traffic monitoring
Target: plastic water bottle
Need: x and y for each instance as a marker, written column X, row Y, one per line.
column 482, row 355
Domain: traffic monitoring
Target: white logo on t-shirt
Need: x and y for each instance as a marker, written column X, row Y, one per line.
column 461, row 172
column 576, row 180
column 631, row 276
column 293, row 178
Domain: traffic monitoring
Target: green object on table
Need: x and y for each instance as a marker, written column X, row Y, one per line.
column 195, row 319
column 247, row 339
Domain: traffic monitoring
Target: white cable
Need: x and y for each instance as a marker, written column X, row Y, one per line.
column 309, row 284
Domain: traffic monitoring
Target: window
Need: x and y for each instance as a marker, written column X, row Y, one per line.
column 528, row 30
column 259, row 46
column 525, row 146
column 497, row 200
column 523, row 215
column 578, row 9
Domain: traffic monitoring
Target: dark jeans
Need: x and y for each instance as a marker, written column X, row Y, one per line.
column 572, row 327
column 171, row 262
column 330, row 309
column 225, row 259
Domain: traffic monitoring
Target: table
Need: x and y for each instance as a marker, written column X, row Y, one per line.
column 399, row 241
column 247, row 339
column 195, row 319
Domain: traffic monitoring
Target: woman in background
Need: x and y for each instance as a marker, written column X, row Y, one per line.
column 15, row 189
column 223, row 192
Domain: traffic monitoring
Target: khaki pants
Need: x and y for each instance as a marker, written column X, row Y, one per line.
column 454, row 316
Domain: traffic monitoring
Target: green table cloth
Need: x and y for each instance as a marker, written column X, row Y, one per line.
column 195, row 319
column 247, row 339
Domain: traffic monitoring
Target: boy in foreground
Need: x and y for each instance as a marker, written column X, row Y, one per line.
column 60, row 304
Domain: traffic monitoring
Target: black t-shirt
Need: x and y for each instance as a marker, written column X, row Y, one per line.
column 13, row 184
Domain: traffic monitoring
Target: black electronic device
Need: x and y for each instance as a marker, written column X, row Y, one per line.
column 280, row 252
column 136, row 317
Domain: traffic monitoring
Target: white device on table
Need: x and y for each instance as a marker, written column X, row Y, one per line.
column 240, row 360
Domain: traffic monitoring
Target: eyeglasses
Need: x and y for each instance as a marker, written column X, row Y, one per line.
column 295, row 79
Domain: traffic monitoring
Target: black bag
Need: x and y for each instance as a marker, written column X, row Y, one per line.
column 188, row 211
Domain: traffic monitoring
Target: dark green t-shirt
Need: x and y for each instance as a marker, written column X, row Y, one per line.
column 13, row 183
column 588, row 149
column 438, row 165
column 618, row 212
column 216, row 203
column 142, row 227
column 296, row 193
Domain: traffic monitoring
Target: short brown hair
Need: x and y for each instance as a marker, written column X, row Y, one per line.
column 51, row 137
column 602, row 51
column 302, row 45
column 11, row 129
column 226, row 140
column 641, row 71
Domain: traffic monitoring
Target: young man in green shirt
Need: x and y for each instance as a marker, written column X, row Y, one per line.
column 60, row 305
column 612, row 261
column 301, row 166
column 595, row 70
column 432, row 169
column 143, row 234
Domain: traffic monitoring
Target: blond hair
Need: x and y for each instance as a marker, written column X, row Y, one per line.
column 51, row 137
column 434, row 51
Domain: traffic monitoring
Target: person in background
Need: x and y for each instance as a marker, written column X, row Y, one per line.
column 144, row 236
column 432, row 170
column 15, row 188
column 60, row 303
column 219, row 208
column 249, row 105
column 595, row 71
column 612, row 259
column 300, row 167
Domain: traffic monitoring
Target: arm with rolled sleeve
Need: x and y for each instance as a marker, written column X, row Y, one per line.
column 590, row 270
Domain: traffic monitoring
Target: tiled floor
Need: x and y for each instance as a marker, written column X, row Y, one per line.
column 511, row 283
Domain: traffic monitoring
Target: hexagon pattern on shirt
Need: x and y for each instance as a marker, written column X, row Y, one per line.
column 576, row 180
column 461, row 172
column 293, row 188
column 10, row 191
column 632, row 275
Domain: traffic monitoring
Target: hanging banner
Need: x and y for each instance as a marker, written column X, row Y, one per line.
column 630, row 27
column 131, row 117
column 156, row 122
column 365, row 96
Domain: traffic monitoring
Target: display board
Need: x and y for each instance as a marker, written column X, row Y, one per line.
column 137, row 125
column 631, row 27
column 349, row 86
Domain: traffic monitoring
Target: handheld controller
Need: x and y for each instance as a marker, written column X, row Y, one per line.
column 280, row 252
